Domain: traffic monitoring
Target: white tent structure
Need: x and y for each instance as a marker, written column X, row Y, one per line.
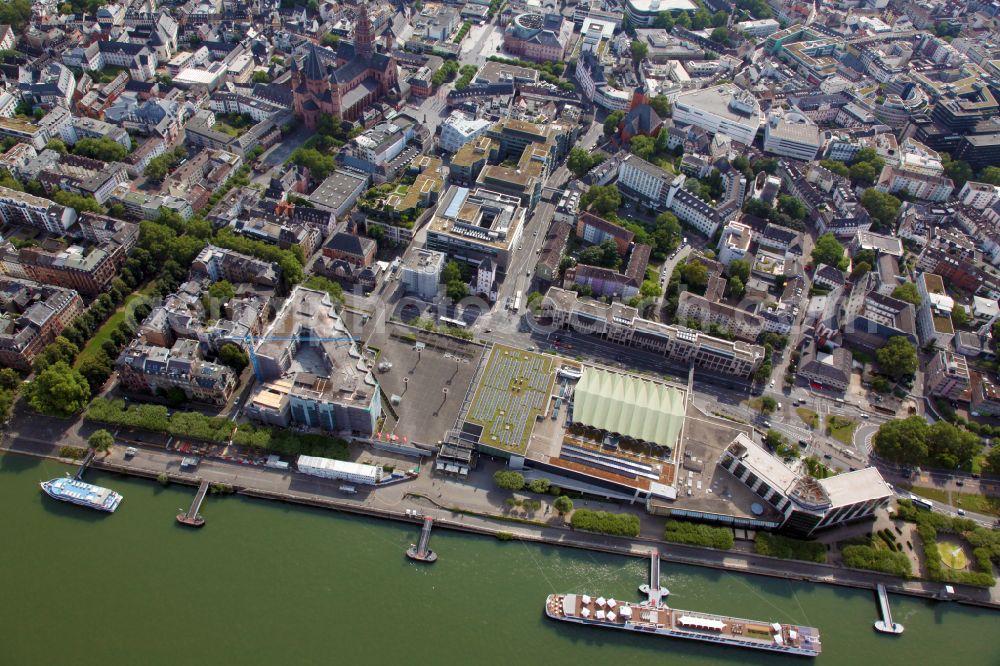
column 630, row 406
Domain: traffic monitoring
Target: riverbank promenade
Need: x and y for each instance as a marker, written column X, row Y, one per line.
column 433, row 497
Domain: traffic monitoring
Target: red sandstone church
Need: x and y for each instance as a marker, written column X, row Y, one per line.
column 345, row 83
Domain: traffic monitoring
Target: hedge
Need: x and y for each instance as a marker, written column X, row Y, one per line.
column 986, row 544
column 789, row 549
column 605, row 522
column 876, row 559
column 193, row 425
column 156, row 417
column 696, row 534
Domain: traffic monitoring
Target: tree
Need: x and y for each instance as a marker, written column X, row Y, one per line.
column 664, row 20
column 720, row 36
column 701, row 19
column 104, row 149
column 59, row 390
column 57, row 145
column 908, row 292
column 736, row 286
column 563, row 505
column 860, row 268
column 451, row 272
column 830, row 252
column 837, row 167
column 643, row 146
column 101, row 441
column 739, row 268
column 456, row 291
column 611, row 123
column 992, row 462
column 509, row 480
column 897, row 358
column 9, row 379
column 601, row 199
column 903, row 440
column 958, row 170
column 792, row 207
column 661, row 105
column 719, row 18
column 695, row 275
column 234, row 357
column 883, row 207
column 863, row 173
column 950, row 447
column 639, row 51
column 774, row 439
column 96, row 369
column 768, row 404
column 990, row 175
column 59, row 350
column 579, row 162
column 320, row 166
column 77, row 201
column 222, row 291
column 668, row 230
column 959, row 317
column 605, row 255
column 260, row 76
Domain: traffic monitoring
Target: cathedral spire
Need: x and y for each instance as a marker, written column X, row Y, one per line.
column 364, row 33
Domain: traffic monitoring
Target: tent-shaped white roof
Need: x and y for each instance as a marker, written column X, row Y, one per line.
column 639, row 408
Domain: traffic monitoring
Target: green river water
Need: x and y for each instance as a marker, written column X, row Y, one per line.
column 265, row 583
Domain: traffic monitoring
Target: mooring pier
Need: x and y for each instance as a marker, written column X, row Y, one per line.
column 886, row 625
column 420, row 552
column 193, row 517
column 653, row 590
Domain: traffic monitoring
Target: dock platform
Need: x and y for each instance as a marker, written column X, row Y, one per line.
column 192, row 517
column 87, row 459
column 420, row 552
column 653, row 591
column 886, row 625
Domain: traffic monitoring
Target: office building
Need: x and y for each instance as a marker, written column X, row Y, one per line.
column 311, row 372
column 724, row 108
column 472, row 225
column 934, row 314
column 947, row 375
column 807, row 505
column 421, row 273
column 621, row 324
column 791, row 134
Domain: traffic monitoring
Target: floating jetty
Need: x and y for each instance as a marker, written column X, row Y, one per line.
column 420, row 552
column 886, row 625
column 192, row 517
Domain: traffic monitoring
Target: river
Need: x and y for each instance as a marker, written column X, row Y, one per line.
column 265, row 583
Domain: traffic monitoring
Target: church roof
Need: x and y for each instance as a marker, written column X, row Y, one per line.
column 313, row 67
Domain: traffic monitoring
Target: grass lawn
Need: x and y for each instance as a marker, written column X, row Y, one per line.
column 93, row 347
column 841, row 429
column 986, row 504
column 953, row 555
column 808, row 416
column 755, row 404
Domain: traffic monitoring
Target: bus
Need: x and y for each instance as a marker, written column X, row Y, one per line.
column 448, row 321
column 921, row 503
column 517, row 301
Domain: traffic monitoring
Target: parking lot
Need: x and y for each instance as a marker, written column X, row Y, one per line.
column 431, row 383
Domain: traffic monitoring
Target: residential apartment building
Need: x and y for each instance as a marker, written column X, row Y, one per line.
column 222, row 264
column 978, row 196
column 32, row 316
column 947, row 375
column 832, row 370
column 27, row 209
column 918, row 185
column 151, row 369
column 740, row 323
column 621, row 324
column 595, row 230
column 735, row 242
column 872, row 318
column 934, row 314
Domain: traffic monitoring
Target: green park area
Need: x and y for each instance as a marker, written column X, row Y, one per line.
column 977, row 503
column 841, row 429
column 953, row 555
column 808, row 416
column 103, row 334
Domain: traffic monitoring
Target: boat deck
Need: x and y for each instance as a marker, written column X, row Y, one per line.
column 646, row 617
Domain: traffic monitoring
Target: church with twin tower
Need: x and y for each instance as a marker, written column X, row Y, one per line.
column 346, row 82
